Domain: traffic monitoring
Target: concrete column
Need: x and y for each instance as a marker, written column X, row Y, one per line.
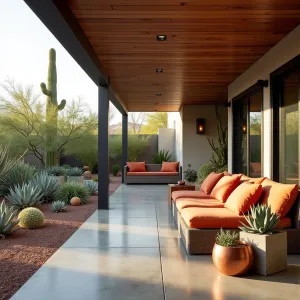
column 124, row 143
column 103, row 155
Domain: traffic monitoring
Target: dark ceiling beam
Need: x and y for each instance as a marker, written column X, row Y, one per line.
column 59, row 19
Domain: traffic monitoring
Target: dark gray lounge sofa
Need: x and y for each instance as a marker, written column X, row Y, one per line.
column 154, row 176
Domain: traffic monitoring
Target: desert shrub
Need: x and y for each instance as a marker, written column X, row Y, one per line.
column 206, row 169
column 227, row 238
column 48, row 185
column 69, row 190
column 190, row 175
column 95, row 179
column 26, row 195
column 75, row 171
column 161, row 156
column 115, row 170
column 91, row 186
column 20, row 173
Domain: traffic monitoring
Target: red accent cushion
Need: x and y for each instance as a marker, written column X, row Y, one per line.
column 152, row 173
column 169, row 166
column 225, row 187
column 137, row 166
column 210, row 181
column 243, row 197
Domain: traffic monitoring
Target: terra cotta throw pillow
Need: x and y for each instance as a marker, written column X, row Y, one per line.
column 225, row 187
column 280, row 197
column 210, row 181
column 137, row 166
column 169, row 166
column 243, row 197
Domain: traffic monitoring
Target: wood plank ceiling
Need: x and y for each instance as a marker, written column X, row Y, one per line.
column 209, row 44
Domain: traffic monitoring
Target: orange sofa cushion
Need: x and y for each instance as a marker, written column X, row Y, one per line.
column 137, row 166
column 259, row 180
column 198, row 218
column 190, row 202
column 243, row 197
column 210, row 181
column 152, row 173
column 169, row 166
column 225, row 187
column 189, row 194
column 280, row 197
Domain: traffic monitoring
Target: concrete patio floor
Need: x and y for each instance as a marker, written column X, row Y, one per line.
column 132, row 251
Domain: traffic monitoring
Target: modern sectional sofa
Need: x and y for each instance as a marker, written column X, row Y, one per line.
column 222, row 202
column 152, row 174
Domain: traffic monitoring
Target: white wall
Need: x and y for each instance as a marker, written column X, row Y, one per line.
column 175, row 122
column 166, row 139
column 285, row 50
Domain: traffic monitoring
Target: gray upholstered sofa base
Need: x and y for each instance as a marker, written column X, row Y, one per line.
column 159, row 179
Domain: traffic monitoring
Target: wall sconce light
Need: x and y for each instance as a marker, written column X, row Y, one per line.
column 200, row 126
column 244, row 128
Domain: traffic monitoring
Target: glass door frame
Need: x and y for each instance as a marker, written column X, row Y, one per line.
column 236, row 145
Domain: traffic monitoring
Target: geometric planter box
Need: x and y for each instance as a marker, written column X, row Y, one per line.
column 270, row 251
column 79, row 179
column 60, row 179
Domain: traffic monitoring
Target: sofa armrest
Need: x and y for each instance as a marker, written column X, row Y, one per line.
column 180, row 172
column 125, row 170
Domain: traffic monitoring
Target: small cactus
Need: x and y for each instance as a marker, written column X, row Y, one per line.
column 31, row 218
column 58, row 206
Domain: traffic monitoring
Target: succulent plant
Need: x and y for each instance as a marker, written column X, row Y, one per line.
column 75, row 171
column 56, row 171
column 261, row 221
column 48, row 184
column 31, row 218
column 227, row 238
column 91, row 186
column 7, row 220
column 95, row 179
column 26, row 195
column 69, row 190
column 19, row 174
column 58, row 206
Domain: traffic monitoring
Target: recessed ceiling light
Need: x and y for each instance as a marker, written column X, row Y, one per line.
column 161, row 37
column 159, row 70
column 158, row 94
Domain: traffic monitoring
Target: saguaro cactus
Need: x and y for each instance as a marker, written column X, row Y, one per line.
column 52, row 108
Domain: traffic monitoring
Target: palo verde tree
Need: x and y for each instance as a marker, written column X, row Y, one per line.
column 52, row 108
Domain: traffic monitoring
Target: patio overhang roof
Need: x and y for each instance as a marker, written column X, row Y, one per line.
column 209, row 43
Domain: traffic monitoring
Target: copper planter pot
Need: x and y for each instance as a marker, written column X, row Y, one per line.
column 233, row 260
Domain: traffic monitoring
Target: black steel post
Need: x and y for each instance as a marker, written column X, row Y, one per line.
column 124, row 143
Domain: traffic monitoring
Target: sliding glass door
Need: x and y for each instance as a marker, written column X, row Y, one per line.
column 247, row 133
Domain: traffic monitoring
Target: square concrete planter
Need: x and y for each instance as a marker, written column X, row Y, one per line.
column 79, row 179
column 60, row 179
column 270, row 251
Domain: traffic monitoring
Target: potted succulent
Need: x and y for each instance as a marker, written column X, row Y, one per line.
column 75, row 174
column 231, row 256
column 57, row 171
column 268, row 242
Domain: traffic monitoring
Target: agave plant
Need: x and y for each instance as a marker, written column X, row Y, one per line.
column 261, row 221
column 7, row 220
column 58, row 206
column 48, row 184
column 75, row 171
column 20, row 173
column 26, row 195
column 91, row 186
column 56, row 171
column 161, row 156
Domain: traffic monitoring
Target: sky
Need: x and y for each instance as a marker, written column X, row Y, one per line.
column 24, row 48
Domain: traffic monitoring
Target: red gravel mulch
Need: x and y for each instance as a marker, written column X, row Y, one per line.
column 24, row 252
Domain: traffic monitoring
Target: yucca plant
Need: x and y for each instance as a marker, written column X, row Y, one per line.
column 161, row 156
column 56, row 171
column 48, row 184
column 26, row 195
column 58, row 206
column 261, row 221
column 227, row 238
column 7, row 220
column 72, row 189
column 20, row 173
column 75, row 171
column 91, row 186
